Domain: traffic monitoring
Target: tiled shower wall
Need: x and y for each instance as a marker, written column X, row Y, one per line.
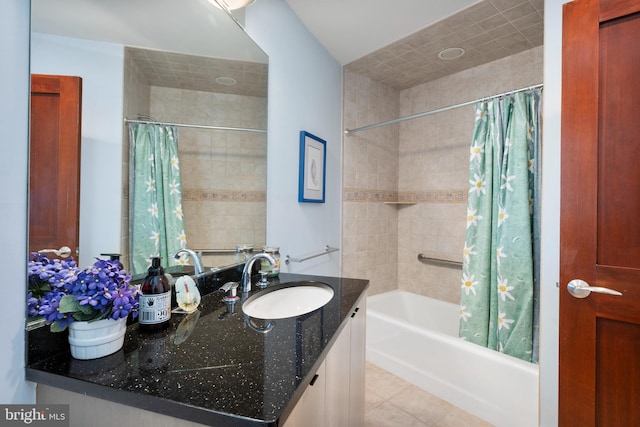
column 223, row 172
column 370, row 177
column 432, row 160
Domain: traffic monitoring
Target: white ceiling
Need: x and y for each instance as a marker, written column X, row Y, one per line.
column 351, row 29
column 192, row 27
column 175, row 43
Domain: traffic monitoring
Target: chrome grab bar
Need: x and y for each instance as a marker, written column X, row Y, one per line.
column 327, row 250
column 208, row 252
column 439, row 262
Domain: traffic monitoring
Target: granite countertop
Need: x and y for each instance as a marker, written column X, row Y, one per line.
column 209, row 366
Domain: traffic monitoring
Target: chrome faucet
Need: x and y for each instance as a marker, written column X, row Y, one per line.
column 197, row 264
column 245, row 284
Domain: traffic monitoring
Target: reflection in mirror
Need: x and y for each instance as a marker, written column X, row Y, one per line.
column 185, row 63
column 221, row 147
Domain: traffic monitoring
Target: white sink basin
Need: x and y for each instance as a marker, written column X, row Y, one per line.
column 291, row 301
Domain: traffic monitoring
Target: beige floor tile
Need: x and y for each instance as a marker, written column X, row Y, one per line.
column 422, row 405
column 392, row 402
column 459, row 418
column 371, row 400
column 383, row 383
column 388, row 415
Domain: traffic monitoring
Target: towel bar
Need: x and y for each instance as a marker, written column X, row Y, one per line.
column 328, row 249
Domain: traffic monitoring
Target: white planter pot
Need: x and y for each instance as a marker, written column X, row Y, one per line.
column 91, row 340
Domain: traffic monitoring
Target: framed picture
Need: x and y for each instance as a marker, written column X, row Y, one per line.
column 313, row 155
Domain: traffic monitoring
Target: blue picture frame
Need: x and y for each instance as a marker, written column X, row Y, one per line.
column 313, row 161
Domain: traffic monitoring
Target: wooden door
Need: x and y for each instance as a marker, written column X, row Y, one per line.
column 600, row 214
column 54, row 162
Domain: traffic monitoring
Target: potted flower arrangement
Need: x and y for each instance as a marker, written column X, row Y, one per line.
column 97, row 298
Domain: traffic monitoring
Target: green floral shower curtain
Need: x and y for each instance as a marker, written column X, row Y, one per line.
column 156, row 219
column 499, row 279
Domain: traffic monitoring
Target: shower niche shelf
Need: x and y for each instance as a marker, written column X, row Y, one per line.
column 400, row 203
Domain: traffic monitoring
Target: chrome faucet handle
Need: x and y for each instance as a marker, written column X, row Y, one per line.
column 230, row 289
column 263, row 282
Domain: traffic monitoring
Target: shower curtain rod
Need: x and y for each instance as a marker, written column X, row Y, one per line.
column 439, row 110
column 187, row 125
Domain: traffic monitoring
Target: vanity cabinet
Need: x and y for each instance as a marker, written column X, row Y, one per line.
column 335, row 395
column 119, row 387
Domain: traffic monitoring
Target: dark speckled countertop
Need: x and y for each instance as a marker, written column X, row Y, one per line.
column 209, row 367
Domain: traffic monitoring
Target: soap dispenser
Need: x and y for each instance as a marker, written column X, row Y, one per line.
column 154, row 309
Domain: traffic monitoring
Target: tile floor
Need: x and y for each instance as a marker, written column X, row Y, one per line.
column 393, row 402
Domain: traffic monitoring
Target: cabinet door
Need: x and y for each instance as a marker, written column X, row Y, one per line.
column 336, row 399
column 310, row 410
column 357, row 360
column 345, row 372
column 338, row 367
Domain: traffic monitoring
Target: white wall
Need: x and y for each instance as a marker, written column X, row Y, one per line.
column 14, row 125
column 305, row 93
column 101, row 66
column 550, row 239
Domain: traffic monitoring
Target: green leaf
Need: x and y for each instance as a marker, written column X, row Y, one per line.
column 83, row 317
column 101, row 316
column 55, row 327
column 68, row 304
column 86, row 309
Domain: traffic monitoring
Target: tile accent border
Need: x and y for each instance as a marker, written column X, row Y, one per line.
column 430, row 196
column 205, row 195
column 434, row 196
column 360, row 195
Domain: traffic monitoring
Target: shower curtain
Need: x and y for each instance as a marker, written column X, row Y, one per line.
column 156, row 219
column 499, row 298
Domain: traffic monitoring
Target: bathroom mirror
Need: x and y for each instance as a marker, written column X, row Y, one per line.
column 170, row 61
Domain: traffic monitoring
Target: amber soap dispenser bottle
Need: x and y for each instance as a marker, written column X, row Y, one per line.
column 154, row 309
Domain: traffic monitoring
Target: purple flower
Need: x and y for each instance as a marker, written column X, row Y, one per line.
column 102, row 290
column 33, row 305
column 124, row 303
column 50, row 306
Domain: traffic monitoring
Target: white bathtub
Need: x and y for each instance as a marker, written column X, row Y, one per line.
column 416, row 338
